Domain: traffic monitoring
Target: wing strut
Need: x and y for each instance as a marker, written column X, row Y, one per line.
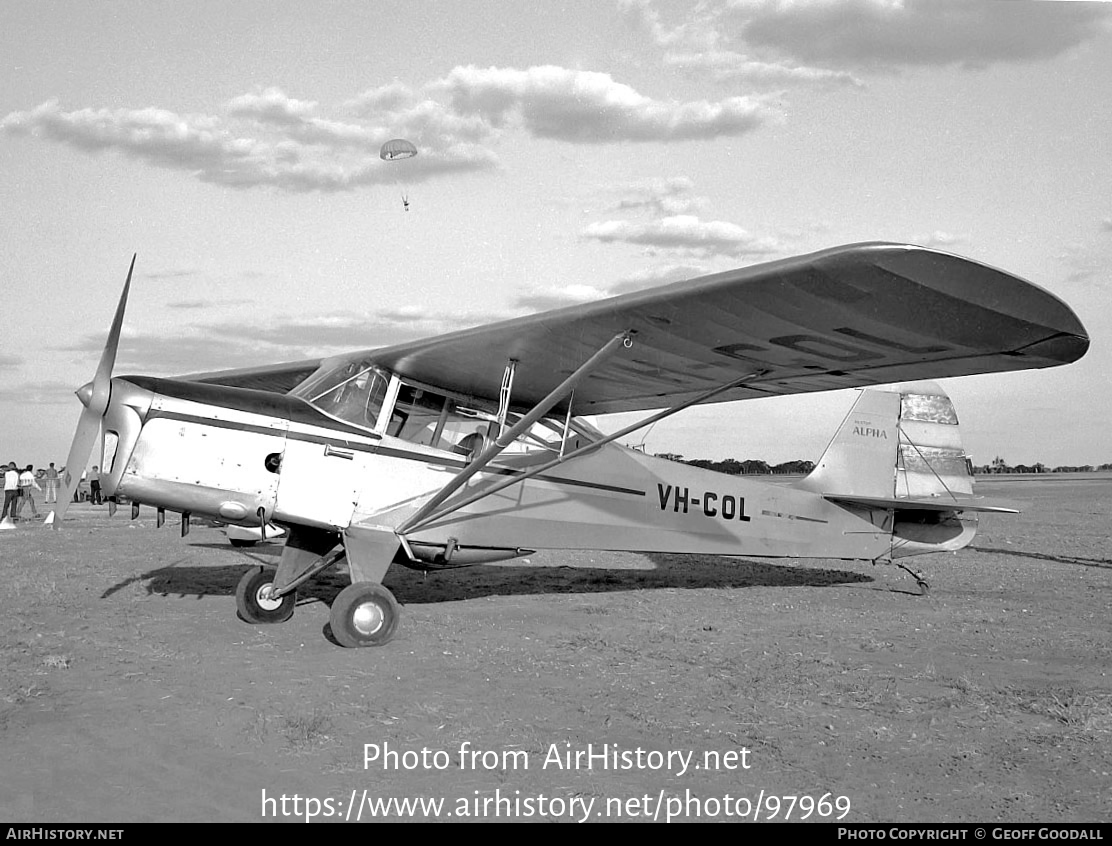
column 521, row 426
column 420, row 520
column 504, row 394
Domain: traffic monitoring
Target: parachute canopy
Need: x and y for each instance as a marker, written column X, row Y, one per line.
column 399, row 148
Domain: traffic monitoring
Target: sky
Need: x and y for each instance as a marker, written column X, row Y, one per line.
column 568, row 151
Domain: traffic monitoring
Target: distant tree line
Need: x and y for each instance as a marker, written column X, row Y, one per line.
column 751, row 467
column 999, row 465
column 756, row 467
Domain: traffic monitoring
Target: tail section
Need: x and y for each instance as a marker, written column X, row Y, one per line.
column 861, row 457
column 898, row 453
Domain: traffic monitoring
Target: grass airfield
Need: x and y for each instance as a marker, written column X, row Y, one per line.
column 130, row 691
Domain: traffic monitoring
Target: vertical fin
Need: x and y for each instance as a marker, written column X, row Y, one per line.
column 861, row 457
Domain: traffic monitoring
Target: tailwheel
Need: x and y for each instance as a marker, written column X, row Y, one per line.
column 364, row 614
column 253, row 599
column 924, row 588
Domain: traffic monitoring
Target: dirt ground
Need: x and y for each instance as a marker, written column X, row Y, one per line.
column 130, row 691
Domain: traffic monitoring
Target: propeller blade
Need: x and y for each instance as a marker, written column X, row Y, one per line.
column 102, row 382
column 94, row 396
column 88, row 427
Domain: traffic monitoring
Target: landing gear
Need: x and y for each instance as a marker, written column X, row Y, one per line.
column 924, row 587
column 364, row 614
column 253, row 599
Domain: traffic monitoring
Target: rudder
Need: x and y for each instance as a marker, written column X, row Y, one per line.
column 931, row 460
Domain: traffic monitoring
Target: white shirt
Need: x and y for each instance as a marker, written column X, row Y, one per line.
column 11, row 480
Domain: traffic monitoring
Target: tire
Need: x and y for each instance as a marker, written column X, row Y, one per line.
column 238, row 542
column 253, row 608
column 364, row 614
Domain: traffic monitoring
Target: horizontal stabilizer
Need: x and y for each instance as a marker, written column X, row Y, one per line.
column 932, row 503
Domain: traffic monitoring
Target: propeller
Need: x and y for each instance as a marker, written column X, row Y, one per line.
column 94, row 396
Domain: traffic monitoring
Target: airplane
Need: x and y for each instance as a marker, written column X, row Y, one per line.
column 472, row 446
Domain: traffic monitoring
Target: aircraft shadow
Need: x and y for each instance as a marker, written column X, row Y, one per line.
column 669, row 571
column 1101, row 563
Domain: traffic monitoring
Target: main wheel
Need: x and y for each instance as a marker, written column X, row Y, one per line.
column 364, row 614
column 241, row 543
column 253, row 602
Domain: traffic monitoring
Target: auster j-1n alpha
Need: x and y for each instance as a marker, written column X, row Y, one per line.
column 469, row 447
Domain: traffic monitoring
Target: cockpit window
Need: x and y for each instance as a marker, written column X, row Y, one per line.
column 431, row 419
column 353, row 392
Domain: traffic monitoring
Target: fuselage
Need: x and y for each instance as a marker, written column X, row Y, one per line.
column 245, row 457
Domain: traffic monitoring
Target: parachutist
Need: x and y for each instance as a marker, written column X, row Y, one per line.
column 395, row 150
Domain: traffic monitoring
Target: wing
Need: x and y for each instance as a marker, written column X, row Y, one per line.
column 278, row 378
column 863, row 314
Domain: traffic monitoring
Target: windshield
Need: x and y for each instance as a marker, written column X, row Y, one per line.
column 353, row 392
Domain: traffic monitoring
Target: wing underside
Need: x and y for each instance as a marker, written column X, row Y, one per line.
column 851, row 316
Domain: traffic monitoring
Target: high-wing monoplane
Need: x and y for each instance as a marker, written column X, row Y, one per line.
column 471, row 447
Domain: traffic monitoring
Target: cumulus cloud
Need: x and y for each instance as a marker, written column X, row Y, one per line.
column 264, row 139
column 730, row 66
column 576, row 294
column 269, row 138
column 705, row 42
column 395, row 97
column 784, row 42
column 684, row 235
column 10, row 360
column 590, row 107
column 898, row 33
column 550, row 298
column 272, row 106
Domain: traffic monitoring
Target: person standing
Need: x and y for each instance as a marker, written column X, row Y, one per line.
column 11, row 490
column 94, row 486
column 51, row 477
column 27, row 484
